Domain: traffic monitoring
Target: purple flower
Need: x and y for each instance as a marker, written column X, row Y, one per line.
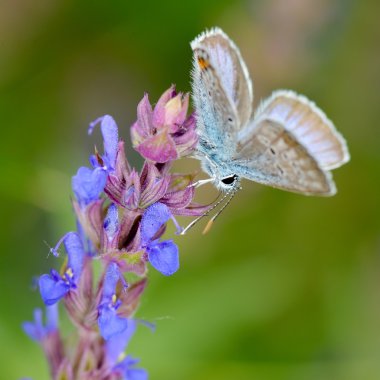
column 37, row 330
column 179, row 196
column 134, row 191
column 162, row 255
column 115, row 347
column 164, row 134
column 109, row 131
column 126, row 368
column 47, row 335
column 108, row 320
column 117, row 343
column 111, row 225
column 54, row 286
column 88, row 184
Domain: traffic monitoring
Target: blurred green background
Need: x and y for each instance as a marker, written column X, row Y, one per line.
column 284, row 286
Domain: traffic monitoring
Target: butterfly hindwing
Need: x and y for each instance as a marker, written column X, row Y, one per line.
column 273, row 156
column 308, row 124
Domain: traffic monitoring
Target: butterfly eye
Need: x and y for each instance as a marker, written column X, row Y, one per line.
column 229, row 180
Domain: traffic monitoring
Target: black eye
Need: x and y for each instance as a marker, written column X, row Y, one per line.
column 229, row 180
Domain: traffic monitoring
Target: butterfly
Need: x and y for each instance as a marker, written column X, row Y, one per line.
column 288, row 143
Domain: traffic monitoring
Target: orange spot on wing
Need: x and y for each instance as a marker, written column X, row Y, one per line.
column 203, row 63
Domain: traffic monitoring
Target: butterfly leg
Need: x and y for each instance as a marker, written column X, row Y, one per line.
column 202, row 182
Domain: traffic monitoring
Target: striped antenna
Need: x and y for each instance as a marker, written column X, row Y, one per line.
column 211, row 221
column 229, row 194
column 195, row 221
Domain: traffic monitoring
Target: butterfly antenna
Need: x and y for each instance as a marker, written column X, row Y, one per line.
column 211, row 221
column 195, row 221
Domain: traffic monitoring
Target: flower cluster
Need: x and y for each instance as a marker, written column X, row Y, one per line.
column 121, row 216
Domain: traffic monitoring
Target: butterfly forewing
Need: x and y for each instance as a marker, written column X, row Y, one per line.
column 219, row 72
column 273, row 156
column 212, row 105
column 308, row 124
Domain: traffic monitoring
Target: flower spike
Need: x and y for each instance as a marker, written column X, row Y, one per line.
column 121, row 213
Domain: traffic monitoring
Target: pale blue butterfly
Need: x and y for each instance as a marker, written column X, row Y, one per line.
column 288, row 143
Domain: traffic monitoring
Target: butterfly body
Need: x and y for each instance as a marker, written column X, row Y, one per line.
column 288, row 143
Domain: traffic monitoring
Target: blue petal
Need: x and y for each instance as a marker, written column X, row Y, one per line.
column 153, row 218
column 35, row 330
column 94, row 161
column 52, row 289
column 111, row 222
column 88, row 184
column 116, row 344
column 110, row 136
column 52, row 317
column 30, row 330
column 111, row 278
column 136, row 374
column 164, row 257
column 75, row 253
column 110, row 323
column 83, row 238
column 125, row 367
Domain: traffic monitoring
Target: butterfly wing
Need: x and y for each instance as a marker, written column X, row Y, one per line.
column 291, row 145
column 222, row 89
column 309, row 125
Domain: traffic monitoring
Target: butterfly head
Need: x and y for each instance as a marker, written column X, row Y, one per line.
column 228, row 183
column 220, row 175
